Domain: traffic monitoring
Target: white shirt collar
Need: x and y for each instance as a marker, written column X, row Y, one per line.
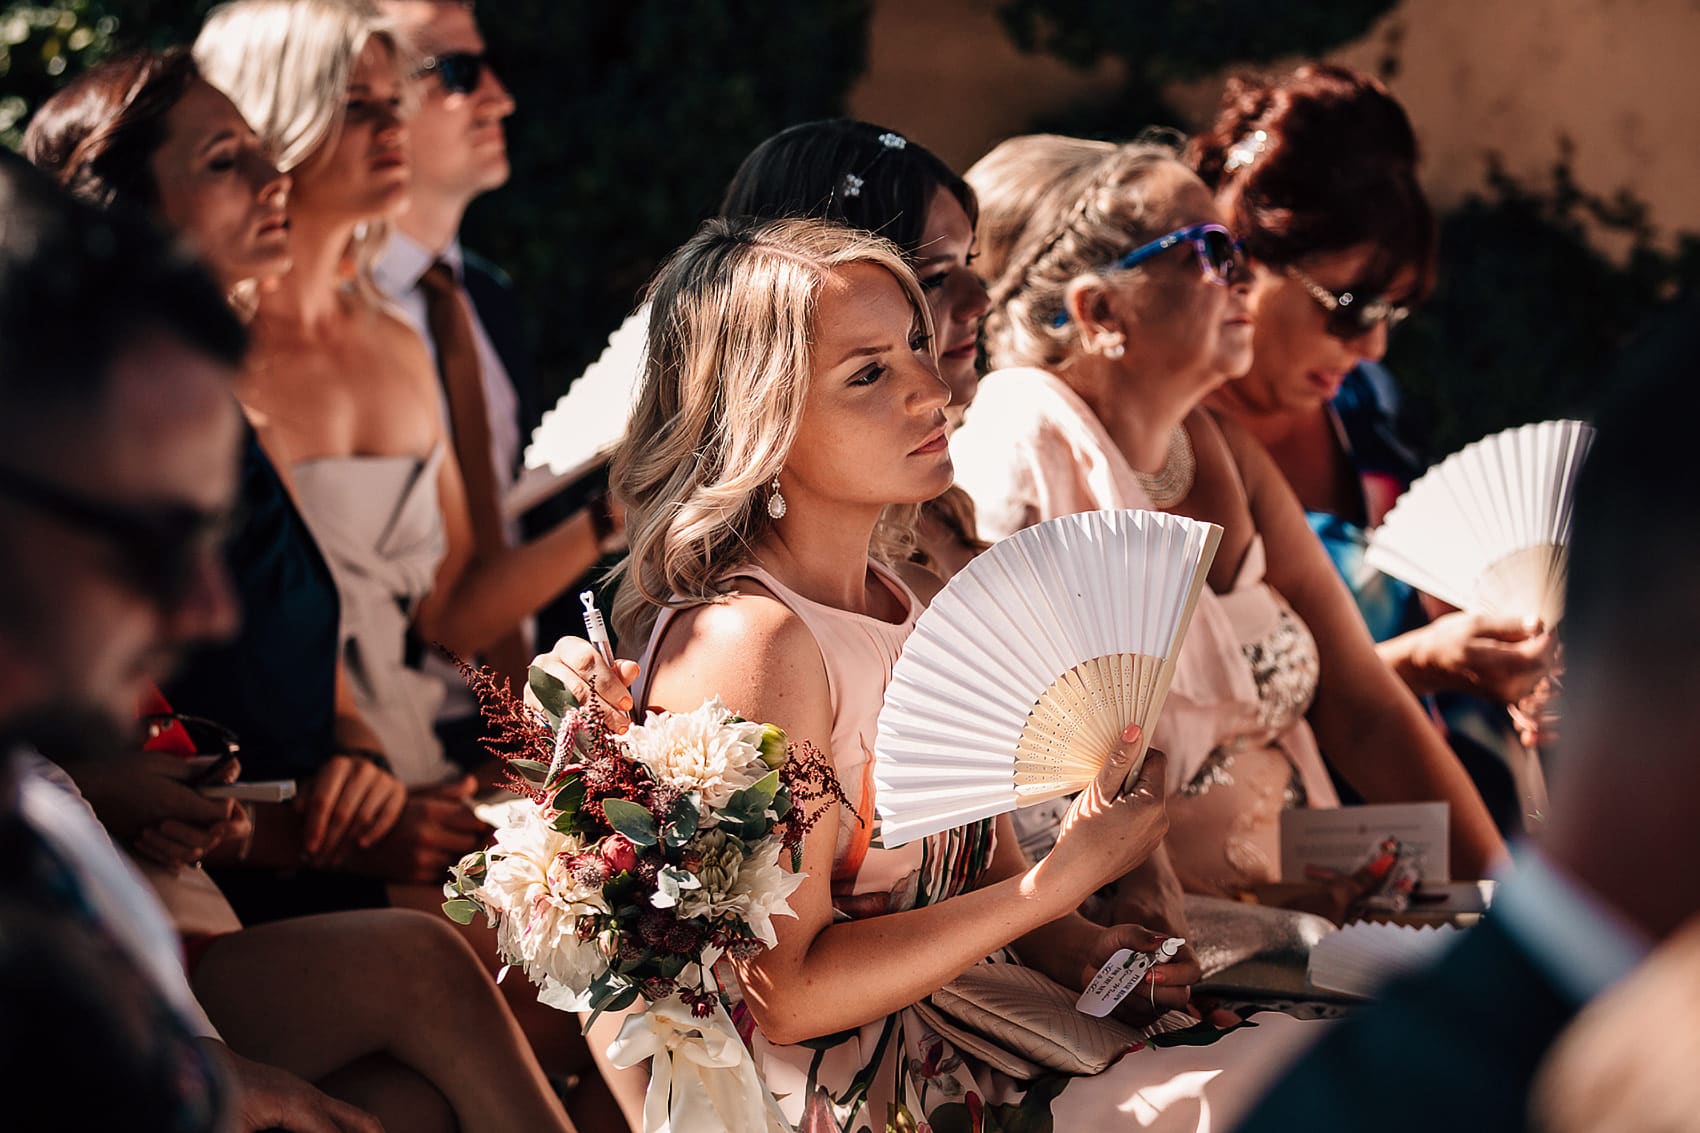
column 405, row 260
column 1580, row 942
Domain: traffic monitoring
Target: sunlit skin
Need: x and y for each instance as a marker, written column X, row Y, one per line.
column 458, row 144
column 955, row 295
column 364, row 172
column 873, row 427
column 1182, row 334
column 1297, row 366
column 218, row 187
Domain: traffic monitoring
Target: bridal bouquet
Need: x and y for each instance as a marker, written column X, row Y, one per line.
column 631, row 864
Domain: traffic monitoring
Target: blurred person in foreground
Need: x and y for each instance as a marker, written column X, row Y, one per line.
column 1610, row 874
column 120, row 440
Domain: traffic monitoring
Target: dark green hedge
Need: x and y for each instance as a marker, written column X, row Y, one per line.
column 632, row 117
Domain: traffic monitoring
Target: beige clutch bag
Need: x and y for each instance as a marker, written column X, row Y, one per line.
column 1021, row 1022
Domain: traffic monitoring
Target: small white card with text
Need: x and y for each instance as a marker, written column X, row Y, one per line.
column 1343, row 838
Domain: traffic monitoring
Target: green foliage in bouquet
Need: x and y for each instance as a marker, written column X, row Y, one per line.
column 634, row 860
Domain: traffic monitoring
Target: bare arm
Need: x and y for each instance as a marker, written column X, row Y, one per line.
column 825, row 977
column 1365, row 719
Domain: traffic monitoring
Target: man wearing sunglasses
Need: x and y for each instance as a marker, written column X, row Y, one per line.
column 462, row 306
column 118, row 466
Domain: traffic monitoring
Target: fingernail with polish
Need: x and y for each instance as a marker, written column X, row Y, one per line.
column 1130, row 734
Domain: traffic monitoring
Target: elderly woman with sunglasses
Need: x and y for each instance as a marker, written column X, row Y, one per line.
column 1119, row 305
column 1317, row 172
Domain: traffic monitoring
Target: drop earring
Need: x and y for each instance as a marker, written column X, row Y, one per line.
column 775, row 500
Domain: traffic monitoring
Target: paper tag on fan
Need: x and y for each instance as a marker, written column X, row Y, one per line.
column 1120, row 974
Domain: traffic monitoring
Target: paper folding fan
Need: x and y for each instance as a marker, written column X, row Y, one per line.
column 591, row 417
column 1021, row 676
column 1488, row 528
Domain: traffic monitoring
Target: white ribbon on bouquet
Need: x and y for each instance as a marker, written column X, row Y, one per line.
column 702, row 1076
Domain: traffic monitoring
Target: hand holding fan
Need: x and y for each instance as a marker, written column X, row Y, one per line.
column 1021, row 676
column 1488, row 528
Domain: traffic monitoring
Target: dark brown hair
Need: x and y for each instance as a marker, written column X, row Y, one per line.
column 1334, row 168
column 853, row 172
column 98, row 136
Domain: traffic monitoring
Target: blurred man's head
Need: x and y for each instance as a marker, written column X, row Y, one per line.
column 1626, row 785
column 118, row 452
column 456, row 134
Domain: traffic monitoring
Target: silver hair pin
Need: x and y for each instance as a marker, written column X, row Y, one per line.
column 1247, row 150
column 852, row 186
column 893, row 141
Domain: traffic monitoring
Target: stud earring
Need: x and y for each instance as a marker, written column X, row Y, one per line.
column 1115, row 350
column 775, row 500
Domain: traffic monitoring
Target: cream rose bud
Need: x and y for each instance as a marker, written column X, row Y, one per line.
column 773, row 746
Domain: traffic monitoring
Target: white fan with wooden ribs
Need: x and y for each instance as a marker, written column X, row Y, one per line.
column 1021, row 676
column 1488, row 528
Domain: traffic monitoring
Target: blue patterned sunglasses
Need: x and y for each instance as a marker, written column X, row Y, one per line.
column 1219, row 255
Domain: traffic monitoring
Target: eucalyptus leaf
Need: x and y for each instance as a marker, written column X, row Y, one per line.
column 631, row 820
column 551, row 693
column 461, row 910
column 533, row 769
column 682, row 823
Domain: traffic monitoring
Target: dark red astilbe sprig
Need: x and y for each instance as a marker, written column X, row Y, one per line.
column 808, row 776
column 604, row 767
column 519, row 731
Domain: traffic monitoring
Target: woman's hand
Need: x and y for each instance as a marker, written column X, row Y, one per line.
column 1071, row 950
column 1109, row 830
column 351, row 802
column 576, row 663
column 1498, row 658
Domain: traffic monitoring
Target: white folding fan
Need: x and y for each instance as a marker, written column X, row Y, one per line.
column 1021, row 676
column 1488, row 528
column 591, row 417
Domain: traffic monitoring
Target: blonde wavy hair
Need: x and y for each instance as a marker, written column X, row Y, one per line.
column 1054, row 209
column 732, row 318
column 286, row 64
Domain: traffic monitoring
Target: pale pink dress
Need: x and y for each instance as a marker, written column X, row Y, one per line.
column 1239, row 749
column 897, row 1073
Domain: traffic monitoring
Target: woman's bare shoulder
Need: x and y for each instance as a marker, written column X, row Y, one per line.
column 753, row 652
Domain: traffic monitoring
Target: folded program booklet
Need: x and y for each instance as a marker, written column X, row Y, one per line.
column 1343, row 838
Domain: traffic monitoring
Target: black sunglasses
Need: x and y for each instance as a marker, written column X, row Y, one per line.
column 1348, row 316
column 161, row 546
column 460, row 72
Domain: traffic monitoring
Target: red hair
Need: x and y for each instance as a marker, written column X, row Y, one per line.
column 1335, row 168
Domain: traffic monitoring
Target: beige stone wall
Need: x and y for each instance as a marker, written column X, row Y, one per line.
column 1620, row 78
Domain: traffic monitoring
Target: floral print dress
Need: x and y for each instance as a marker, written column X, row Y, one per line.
column 896, row 1073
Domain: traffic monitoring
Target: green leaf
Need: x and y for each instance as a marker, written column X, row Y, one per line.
column 682, row 823
column 461, row 910
column 632, row 820
column 551, row 694
column 765, row 788
column 533, row 769
column 609, row 992
column 571, row 795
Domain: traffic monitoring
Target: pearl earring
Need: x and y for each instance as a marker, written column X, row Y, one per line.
column 1115, row 350
column 775, row 501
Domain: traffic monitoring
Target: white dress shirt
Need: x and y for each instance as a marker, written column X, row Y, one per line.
column 403, row 263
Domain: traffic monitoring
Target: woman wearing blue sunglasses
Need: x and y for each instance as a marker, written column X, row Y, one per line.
column 1119, row 305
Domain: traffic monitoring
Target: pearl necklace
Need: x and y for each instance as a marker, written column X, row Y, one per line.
column 1170, row 484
